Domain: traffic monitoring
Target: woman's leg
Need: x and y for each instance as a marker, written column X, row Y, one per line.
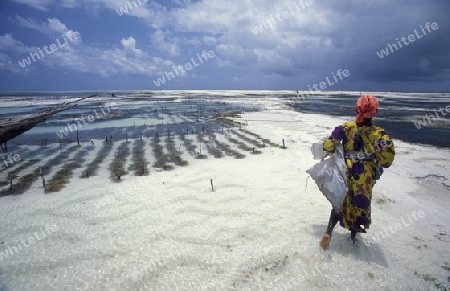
column 334, row 218
column 353, row 235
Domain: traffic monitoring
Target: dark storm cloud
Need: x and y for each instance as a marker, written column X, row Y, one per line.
column 364, row 30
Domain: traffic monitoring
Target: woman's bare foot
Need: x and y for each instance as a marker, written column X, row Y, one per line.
column 325, row 242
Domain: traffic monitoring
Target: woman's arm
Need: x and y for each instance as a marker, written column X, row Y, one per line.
column 335, row 138
column 385, row 152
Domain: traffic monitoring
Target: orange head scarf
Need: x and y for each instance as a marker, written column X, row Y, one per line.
column 366, row 107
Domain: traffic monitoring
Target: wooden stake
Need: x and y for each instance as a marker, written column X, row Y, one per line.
column 212, row 186
column 78, row 138
column 283, row 144
column 10, row 178
column 42, row 176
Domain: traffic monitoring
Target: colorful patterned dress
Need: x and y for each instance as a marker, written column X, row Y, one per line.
column 360, row 142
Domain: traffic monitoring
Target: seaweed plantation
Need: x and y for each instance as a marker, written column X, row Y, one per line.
column 92, row 168
column 28, row 179
column 170, row 135
column 62, row 177
column 139, row 165
column 173, row 154
column 160, row 157
column 117, row 167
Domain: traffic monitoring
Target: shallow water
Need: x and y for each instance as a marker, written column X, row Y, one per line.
column 258, row 230
column 136, row 113
column 398, row 113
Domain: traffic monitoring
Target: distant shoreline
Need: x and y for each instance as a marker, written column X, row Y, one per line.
column 2, row 93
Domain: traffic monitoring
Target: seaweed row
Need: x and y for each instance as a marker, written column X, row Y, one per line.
column 264, row 140
column 23, row 166
column 187, row 143
column 241, row 145
column 161, row 158
column 251, row 133
column 139, row 162
column 227, row 121
column 174, row 156
column 62, row 177
column 226, row 148
column 26, row 163
column 249, row 140
column 117, row 166
column 92, row 167
column 209, row 147
column 27, row 180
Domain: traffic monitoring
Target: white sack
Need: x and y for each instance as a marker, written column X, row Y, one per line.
column 330, row 176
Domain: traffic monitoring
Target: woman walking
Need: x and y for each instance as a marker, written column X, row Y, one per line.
column 367, row 150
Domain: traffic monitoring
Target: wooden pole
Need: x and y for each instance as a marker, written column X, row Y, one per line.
column 42, row 176
column 78, row 138
column 10, row 178
column 212, row 186
column 283, row 144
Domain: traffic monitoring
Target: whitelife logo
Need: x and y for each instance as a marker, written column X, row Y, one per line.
column 72, row 36
column 428, row 119
column 412, row 38
column 281, row 16
column 11, row 250
column 322, row 85
column 414, row 217
column 128, row 8
column 188, row 66
column 9, row 161
column 90, row 118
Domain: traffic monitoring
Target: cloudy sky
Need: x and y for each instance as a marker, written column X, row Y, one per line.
column 224, row 44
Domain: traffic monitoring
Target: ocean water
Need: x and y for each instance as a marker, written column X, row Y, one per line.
column 147, row 112
column 126, row 114
column 399, row 113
